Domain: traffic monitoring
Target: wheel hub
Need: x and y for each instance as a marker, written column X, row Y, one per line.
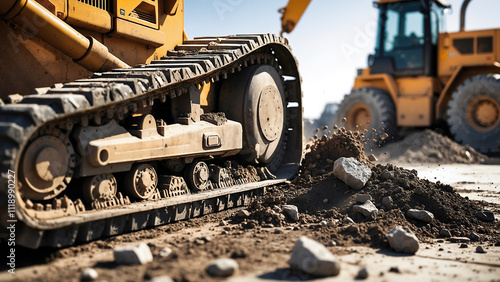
column 270, row 113
column 141, row 181
column 483, row 113
column 359, row 118
column 100, row 187
column 46, row 167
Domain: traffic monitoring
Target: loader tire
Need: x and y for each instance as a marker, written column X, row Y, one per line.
column 368, row 109
column 473, row 113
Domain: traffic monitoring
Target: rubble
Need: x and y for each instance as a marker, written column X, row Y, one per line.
column 132, row 254
column 89, row 274
column 313, row 258
column 362, row 198
column 352, row 172
column 402, row 240
column 486, row 216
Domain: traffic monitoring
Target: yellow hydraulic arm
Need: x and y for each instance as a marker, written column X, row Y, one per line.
column 291, row 14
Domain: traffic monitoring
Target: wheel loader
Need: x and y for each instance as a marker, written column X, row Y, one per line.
column 112, row 120
column 422, row 76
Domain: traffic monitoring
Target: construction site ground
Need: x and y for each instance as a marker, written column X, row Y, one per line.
column 451, row 180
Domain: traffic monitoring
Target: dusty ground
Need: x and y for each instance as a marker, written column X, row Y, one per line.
column 261, row 242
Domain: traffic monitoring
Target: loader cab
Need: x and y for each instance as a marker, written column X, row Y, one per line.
column 407, row 37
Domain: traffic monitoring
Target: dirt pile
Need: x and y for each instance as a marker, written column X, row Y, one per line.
column 321, row 196
column 428, row 147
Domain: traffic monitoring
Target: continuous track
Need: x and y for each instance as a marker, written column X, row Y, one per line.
column 112, row 95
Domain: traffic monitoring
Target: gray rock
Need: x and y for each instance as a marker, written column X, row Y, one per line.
column 332, row 244
column 132, row 254
column 458, row 240
column 292, row 211
column 421, row 215
column 474, row 237
column 352, row 172
column 362, row 198
column 89, row 274
column 445, row 233
column 353, row 229
column 223, row 267
column 362, row 273
column 372, row 158
column 387, row 174
column 165, row 252
column 323, row 223
column 312, row 257
column 402, row 240
column 480, row 250
column 163, row 278
column 243, row 213
column 486, row 216
column 368, row 209
column 348, row 220
column 387, row 202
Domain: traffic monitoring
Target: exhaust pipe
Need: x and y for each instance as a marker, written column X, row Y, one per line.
column 462, row 14
column 85, row 51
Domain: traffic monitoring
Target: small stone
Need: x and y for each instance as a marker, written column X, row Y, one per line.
column 368, row 209
column 402, row 240
column 458, row 240
column 394, row 269
column 289, row 228
column 313, row 258
column 243, row 213
column 486, row 216
column 278, row 231
column 352, row 229
column 387, row 174
column 352, row 172
column 268, row 225
column 165, row 252
column 332, row 244
column 362, row 198
column 325, row 201
column 292, row 212
column 227, row 228
column 241, row 253
column 348, row 220
column 322, row 223
column 222, row 223
column 199, row 242
column 421, row 215
column 225, row 232
column 465, row 154
column 362, row 273
column 387, row 202
column 132, row 254
column 445, row 233
column 480, row 250
column 206, row 238
column 89, row 274
column 372, row 158
column 223, row 267
column 463, row 246
column 162, row 278
column 152, row 245
column 474, row 237
column 258, row 241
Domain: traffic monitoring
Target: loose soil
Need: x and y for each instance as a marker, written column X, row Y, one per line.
column 262, row 240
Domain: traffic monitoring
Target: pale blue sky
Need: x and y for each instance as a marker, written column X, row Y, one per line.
column 331, row 41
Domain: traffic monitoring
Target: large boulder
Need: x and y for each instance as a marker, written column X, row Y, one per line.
column 352, row 172
column 313, row 258
column 402, row 240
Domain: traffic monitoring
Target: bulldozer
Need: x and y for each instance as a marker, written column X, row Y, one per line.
column 421, row 76
column 112, row 120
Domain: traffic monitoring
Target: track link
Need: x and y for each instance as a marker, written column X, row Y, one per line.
column 111, row 95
